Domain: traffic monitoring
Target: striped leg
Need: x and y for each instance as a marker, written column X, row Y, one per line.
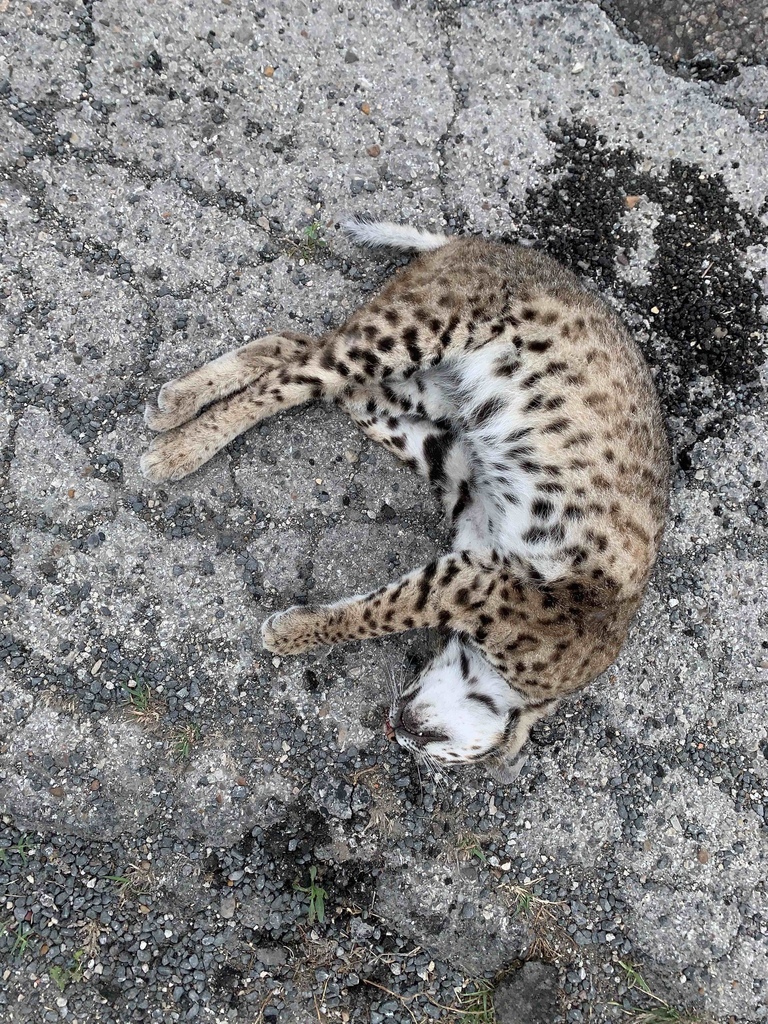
column 182, row 399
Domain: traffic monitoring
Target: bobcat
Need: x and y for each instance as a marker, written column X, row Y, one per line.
column 493, row 373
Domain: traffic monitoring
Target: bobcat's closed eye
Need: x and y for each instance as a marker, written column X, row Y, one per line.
column 521, row 396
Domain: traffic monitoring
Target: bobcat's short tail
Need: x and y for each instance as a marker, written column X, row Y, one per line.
column 393, row 236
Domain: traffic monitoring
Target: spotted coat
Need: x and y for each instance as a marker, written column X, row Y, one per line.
column 520, row 395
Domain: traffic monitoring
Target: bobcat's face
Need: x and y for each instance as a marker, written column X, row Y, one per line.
column 459, row 709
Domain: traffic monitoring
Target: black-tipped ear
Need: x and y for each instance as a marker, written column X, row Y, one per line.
column 506, row 772
column 505, row 761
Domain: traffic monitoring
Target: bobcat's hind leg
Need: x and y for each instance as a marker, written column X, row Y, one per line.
column 178, row 452
column 180, row 400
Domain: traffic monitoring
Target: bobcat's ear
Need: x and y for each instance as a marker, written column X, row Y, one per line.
column 505, row 771
column 505, row 765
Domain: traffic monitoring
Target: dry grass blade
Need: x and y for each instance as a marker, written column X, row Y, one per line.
column 541, row 917
column 662, row 1012
column 142, row 704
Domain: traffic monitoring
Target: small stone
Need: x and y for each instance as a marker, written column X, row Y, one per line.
column 227, row 907
column 269, row 71
column 631, row 202
column 365, row 108
column 373, row 150
column 350, row 57
column 702, row 856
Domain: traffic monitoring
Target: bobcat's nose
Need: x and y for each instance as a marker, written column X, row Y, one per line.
column 409, row 721
column 408, row 725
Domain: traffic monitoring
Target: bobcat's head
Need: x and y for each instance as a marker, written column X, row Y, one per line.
column 460, row 710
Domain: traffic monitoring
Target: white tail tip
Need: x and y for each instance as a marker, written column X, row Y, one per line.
column 393, row 236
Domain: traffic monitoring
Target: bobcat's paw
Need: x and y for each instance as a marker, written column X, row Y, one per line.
column 172, row 457
column 177, row 403
column 291, row 631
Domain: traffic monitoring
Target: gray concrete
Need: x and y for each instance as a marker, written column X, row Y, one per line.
column 159, row 165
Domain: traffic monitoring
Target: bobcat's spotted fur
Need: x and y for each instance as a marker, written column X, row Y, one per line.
column 492, row 372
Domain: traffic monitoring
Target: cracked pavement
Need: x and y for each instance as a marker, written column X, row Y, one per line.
column 171, row 180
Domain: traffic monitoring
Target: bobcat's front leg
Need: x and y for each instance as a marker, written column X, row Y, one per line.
column 451, row 593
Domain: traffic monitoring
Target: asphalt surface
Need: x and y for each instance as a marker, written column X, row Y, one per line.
column 171, row 180
column 707, row 31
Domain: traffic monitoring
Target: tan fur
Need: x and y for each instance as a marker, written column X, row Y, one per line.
column 601, row 458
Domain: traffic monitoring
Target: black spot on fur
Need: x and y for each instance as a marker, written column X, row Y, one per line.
column 532, row 379
column 542, row 508
column 483, row 698
column 414, row 352
column 445, row 337
column 539, row 346
column 450, row 573
column 555, row 366
column 557, row 426
column 536, row 535
column 555, row 402
column 485, row 411
column 436, row 448
column 464, row 498
column 425, row 585
column 371, row 361
column 517, row 435
column 507, row 366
